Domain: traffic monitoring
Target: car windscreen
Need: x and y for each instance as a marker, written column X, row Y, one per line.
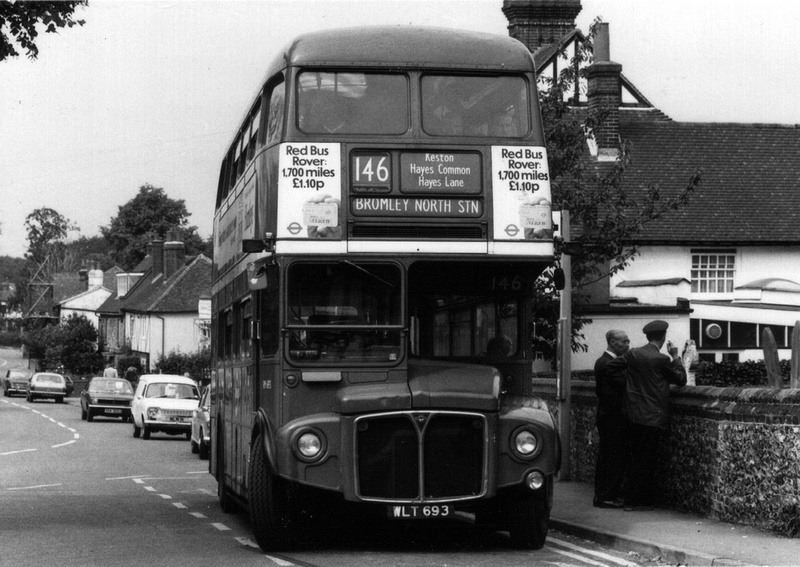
column 49, row 379
column 112, row 386
column 171, row 390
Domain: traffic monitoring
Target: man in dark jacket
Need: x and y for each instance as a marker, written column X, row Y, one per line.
column 612, row 424
column 649, row 375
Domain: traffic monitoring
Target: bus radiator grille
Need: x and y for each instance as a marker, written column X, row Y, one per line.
column 434, row 454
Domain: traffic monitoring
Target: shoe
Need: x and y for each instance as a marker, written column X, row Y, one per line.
column 639, row 508
column 608, row 503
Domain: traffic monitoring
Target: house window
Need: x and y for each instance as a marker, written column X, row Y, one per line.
column 713, row 271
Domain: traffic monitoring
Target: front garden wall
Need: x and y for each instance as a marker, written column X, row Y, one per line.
column 732, row 453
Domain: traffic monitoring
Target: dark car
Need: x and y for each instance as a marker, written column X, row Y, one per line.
column 16, row 382
column 47, row 385
column 201, row 429
column 109, row 397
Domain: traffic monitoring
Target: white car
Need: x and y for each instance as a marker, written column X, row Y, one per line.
column 164, row 403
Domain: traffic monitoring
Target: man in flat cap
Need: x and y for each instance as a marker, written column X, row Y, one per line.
column 649, row 375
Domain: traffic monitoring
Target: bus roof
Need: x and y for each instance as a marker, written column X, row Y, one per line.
column 426, row 47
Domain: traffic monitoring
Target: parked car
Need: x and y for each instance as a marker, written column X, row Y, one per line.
column 164, row 403
column 109, row 397
column 47, row 385
column 16, row 382
column 201, row 433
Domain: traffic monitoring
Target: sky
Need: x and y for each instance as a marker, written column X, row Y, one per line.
column 152, row 91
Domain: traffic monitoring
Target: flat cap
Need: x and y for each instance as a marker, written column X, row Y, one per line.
column 655, row 327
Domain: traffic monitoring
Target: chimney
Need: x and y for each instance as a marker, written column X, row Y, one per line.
column 538, row 23
column 158, row 258
column 83, row 278
column 604, row 93
column 95, row 276
column 174, row 254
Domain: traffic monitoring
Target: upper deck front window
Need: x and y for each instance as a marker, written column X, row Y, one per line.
column 475, row 106
column 352, row 103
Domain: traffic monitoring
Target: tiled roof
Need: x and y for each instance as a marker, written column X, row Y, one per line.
column 178, row 294
column 749, row 191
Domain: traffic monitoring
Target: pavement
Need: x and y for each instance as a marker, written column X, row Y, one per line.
column 678, row 538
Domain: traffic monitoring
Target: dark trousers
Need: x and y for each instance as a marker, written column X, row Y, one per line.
column 612, row 456
column 640, row 476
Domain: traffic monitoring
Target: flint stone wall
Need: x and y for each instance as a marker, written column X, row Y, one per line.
column 732, row 454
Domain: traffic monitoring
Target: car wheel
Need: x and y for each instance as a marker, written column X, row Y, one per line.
column 271, row 518
column 136, row 430
column 89, row 415
column 29, row 398
column 203, row 449
column 59, row 400
column 145, row 431
column 195, row 448
column 83, row 414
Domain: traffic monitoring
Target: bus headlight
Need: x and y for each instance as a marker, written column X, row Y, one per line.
column 525, row 443
column 309, row 445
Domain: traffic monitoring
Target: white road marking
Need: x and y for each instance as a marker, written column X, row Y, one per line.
column 15, row 452
column 179, row 505
column 165, row 496
column 138, row 480
column 62, row 444
column 149, row 488
column 576, row 556
column 247, row 541
column 279, row 561
column 197, row 472
column 221, row 527
column 198, row 515
column 32, row 487
column 600, row 554
column 135, row 478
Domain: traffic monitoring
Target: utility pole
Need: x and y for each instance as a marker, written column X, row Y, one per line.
column 564, row 359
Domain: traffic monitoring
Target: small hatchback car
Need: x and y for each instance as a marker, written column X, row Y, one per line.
column 15, row 382
column 164, row 403
column 47, row 385
column 109, row 397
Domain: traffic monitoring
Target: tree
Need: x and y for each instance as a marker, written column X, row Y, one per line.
column 72, row 344
column 604, row 214
column 19, row 21
column 47, row 249
column 151, row 213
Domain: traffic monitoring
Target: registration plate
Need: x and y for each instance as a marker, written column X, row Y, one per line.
column 420, row 511
column 113, row 411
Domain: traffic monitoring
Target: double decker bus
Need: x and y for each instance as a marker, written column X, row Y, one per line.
column 382, row 215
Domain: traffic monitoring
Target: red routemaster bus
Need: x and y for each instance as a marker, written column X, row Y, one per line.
column 381, row 217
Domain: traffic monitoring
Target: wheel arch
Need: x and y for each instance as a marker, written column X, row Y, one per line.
column 263, row 427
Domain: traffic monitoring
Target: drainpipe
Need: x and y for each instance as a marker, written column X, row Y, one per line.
column 163, row 333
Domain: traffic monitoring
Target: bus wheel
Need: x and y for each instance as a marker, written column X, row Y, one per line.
column 270, row 518
column 528, row 518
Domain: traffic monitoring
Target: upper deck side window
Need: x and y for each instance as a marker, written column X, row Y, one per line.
column 352, row 103
column 457, row 105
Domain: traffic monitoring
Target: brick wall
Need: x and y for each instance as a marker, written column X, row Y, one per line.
column 732, row 453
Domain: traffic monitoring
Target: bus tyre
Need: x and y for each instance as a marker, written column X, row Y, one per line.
column 528, row 518
column 270, row 518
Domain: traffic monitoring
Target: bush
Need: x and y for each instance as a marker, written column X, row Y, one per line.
column 10, row 339
column 198, row 364
column 748, row 374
